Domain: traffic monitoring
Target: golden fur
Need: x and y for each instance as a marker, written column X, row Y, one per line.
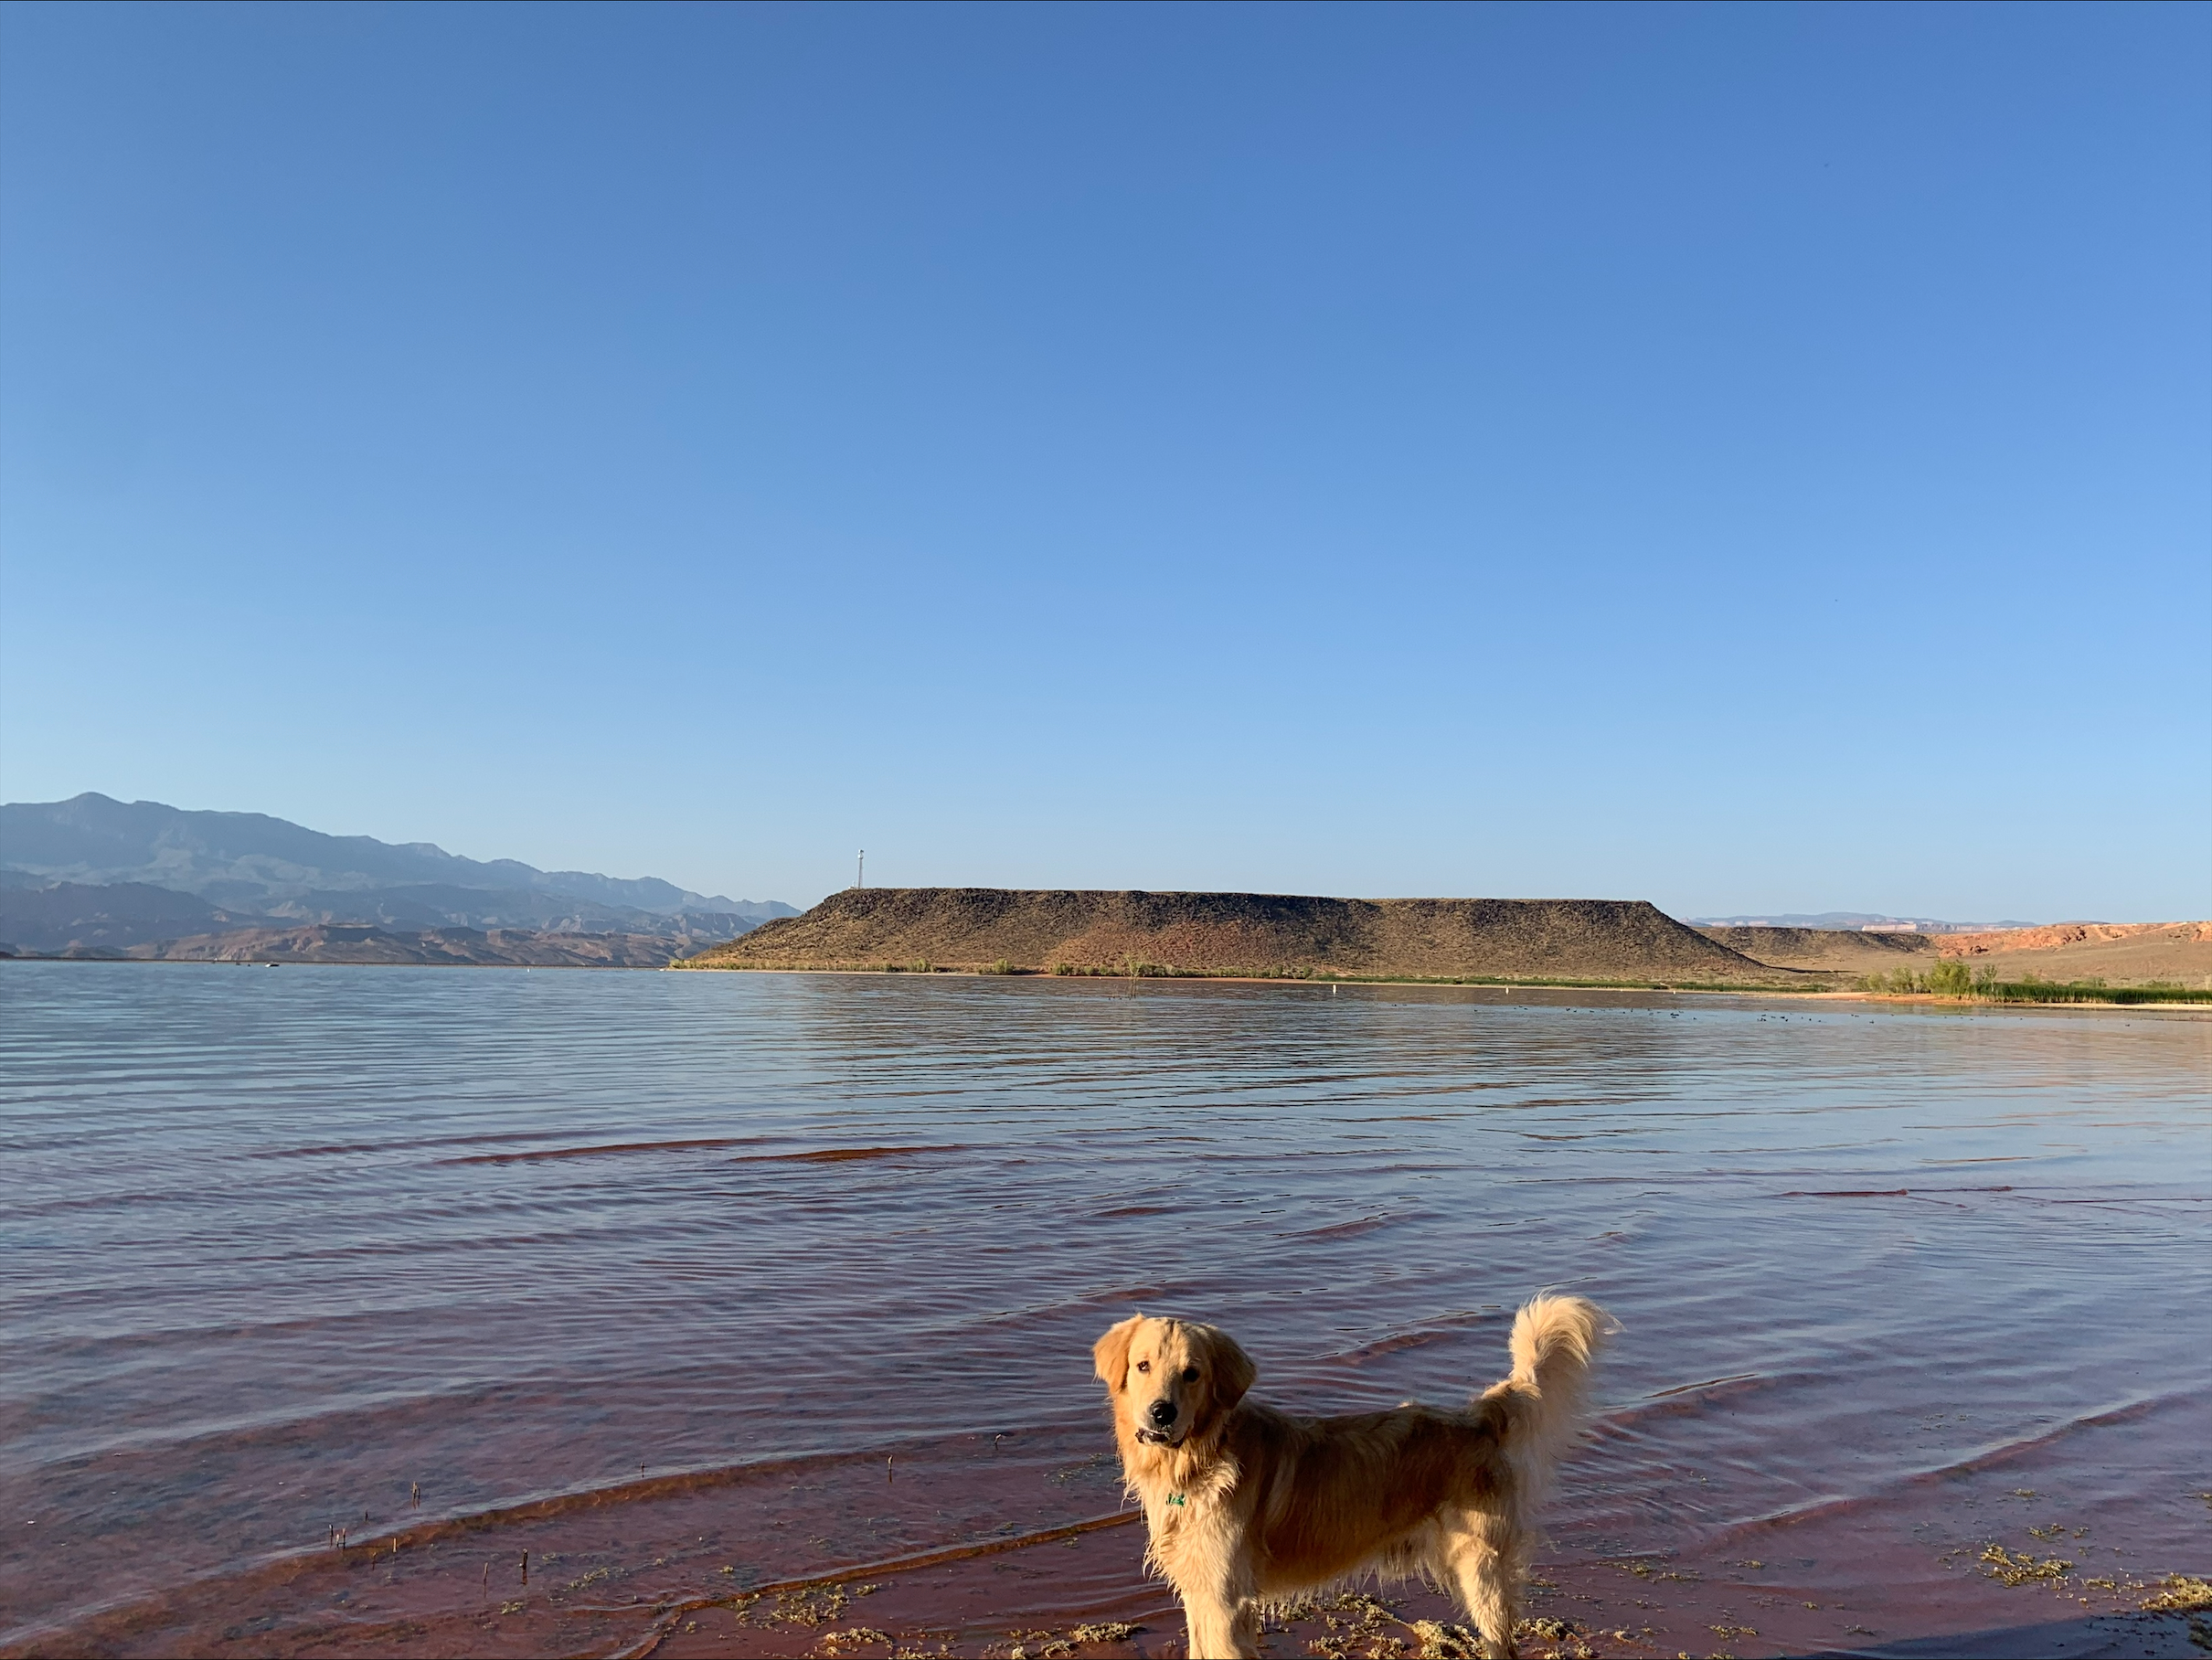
column 1248, row 1506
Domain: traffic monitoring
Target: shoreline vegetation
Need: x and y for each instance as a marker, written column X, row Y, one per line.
column 1317, row 976
column 1953, row 982
column 1902, row 988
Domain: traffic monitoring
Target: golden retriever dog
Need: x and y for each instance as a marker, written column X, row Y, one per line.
column 1249, row 1506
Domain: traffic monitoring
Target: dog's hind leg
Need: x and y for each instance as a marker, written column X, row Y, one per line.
column 1484, row 1555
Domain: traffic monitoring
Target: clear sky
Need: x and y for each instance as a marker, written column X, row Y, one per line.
column 1751, row 457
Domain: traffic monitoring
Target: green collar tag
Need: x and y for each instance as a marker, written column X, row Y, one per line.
column 1174, row 1498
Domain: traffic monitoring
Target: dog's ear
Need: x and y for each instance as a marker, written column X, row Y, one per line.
column 1229, row 1370
column 1110, row 1354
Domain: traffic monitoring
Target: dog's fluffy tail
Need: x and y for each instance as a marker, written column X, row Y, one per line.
column 1544, row 1400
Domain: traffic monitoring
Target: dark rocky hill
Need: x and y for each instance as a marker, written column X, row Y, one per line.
column 1225, row 933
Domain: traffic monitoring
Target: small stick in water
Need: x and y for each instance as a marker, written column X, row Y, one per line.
column 526, row 1568
column 414, row 1493
column 888, row 1461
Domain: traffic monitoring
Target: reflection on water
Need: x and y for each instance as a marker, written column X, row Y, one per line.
column 691, row 1256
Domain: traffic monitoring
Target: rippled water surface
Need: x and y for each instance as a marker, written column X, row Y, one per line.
column 697, row 1282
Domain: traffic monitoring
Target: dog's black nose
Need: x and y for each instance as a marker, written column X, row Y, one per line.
column 1163, row 1412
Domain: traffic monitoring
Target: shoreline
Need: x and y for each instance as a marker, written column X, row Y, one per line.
column 1682, row 988
column 1474, row 982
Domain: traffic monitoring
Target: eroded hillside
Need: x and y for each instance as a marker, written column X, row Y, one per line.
column 1080, row 930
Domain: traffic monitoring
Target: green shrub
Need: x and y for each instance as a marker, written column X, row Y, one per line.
column 1950, row 980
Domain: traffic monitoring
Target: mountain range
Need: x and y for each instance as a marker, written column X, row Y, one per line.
column 93, row 876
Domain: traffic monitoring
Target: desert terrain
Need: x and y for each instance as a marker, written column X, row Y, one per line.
column 1092, row 932
column 2120, row 953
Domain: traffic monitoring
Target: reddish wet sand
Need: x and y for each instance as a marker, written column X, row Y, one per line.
column 818, row 1555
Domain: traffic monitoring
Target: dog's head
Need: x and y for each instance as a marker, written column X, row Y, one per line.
column 1171, row 1381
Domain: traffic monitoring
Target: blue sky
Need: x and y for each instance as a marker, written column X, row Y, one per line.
column 1748, row 458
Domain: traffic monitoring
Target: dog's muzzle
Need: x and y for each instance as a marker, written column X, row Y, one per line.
column 1155, row 1433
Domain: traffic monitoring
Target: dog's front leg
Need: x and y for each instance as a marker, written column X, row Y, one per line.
column 1223, row 1626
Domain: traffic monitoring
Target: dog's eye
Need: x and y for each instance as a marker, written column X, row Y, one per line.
column 1144, row 1366
column 1190, row 1374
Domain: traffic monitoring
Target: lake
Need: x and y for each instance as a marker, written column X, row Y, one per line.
column 694, row 1286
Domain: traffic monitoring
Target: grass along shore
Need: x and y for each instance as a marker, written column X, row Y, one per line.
column 1139, row 969
column 1953, row 982
column 1946, row 983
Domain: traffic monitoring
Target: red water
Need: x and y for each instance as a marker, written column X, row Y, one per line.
column 756, row 1309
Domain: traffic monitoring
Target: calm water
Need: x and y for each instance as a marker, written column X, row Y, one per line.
column 660, row 1270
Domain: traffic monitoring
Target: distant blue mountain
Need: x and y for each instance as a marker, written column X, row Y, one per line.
column 251, row 862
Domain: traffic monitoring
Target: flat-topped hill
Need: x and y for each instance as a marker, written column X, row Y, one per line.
column 1252, row 933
